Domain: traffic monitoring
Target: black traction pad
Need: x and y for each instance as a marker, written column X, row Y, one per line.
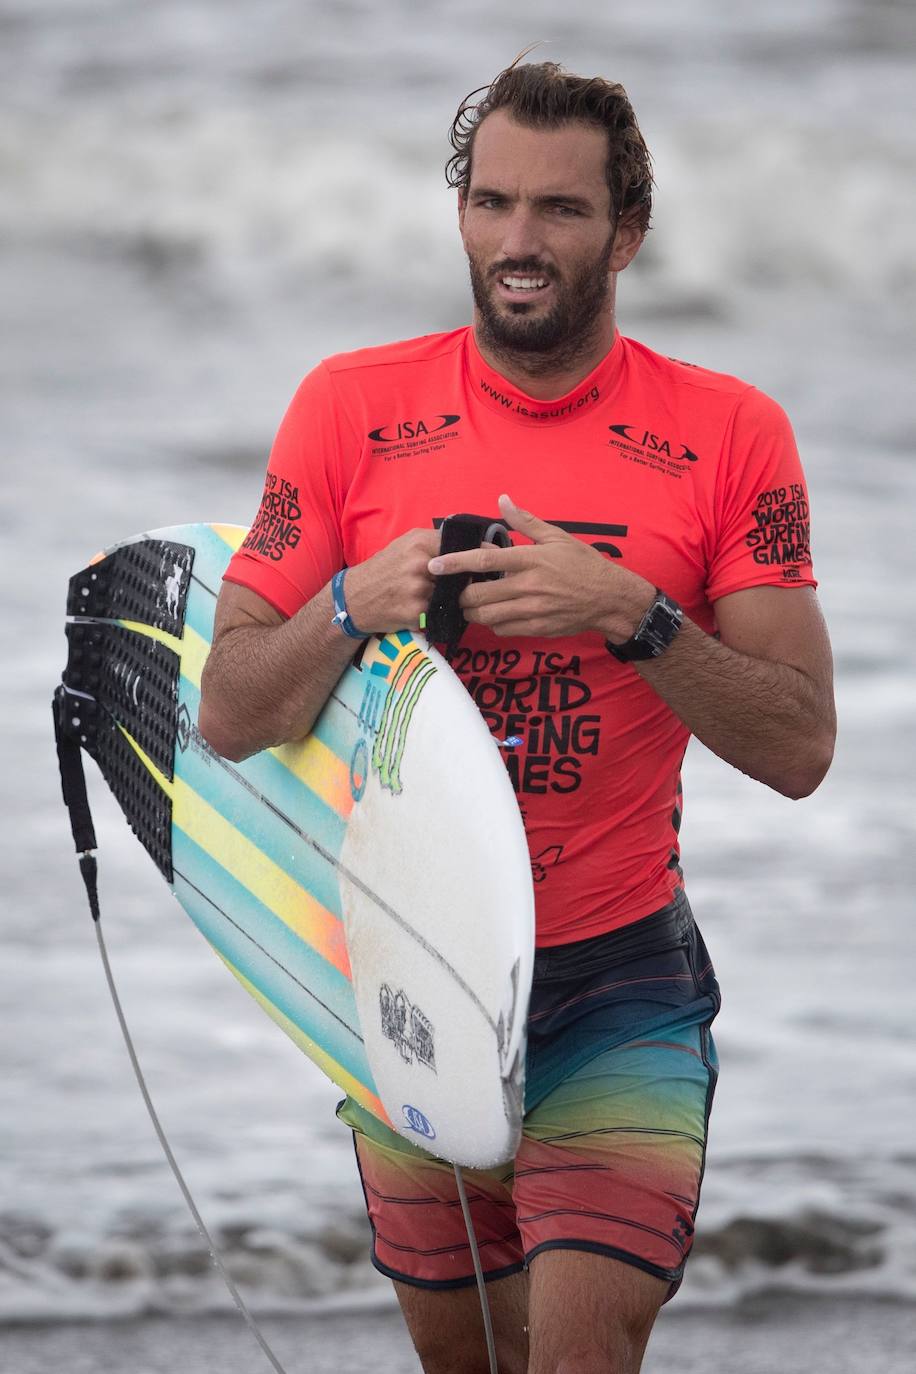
column 133, row 679
column 147, row 581
column 119, row 680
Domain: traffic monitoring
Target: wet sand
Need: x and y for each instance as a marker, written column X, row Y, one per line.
column 828, row 1336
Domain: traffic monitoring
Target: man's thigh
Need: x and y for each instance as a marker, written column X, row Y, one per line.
column 446, row 1326
column 612, row 1160
column 589, row 1314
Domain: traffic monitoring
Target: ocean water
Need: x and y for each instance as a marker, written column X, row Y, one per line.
column 199, row 201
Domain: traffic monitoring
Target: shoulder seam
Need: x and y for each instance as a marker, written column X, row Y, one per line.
column 387, row 362
column 343, row 408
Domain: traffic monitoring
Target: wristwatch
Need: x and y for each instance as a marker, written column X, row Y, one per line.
column 655, row 632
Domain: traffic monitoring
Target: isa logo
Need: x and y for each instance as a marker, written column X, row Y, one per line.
column 418, row 1122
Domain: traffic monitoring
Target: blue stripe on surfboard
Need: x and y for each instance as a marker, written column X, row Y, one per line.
column 200, row 612
column 287, row 795
column 336, row 729
column 308, row 990
column 338, row 725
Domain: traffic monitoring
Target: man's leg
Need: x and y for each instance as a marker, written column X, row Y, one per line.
column 606, row 1188
column 590, row 1314
column 447, row 1326
column 419, row 1240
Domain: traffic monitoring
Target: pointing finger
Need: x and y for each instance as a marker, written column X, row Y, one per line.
column 539, row 531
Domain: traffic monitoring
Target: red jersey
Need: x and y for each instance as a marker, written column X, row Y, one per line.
column 689, row 477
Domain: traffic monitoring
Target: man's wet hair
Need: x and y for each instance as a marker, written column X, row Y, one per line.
column 543, row 95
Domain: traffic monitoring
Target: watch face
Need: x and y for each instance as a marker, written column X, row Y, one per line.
column 659, row 626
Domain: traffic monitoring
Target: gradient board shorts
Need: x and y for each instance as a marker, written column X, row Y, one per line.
column 621, row 1071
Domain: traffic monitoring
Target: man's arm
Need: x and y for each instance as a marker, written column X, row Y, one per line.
column 760, row 696
column 267, row 678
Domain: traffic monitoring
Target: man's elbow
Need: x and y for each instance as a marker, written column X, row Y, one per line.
column 807, row 773
column 219, row 736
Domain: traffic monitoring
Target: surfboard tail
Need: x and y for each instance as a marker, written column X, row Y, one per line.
column 118, row 699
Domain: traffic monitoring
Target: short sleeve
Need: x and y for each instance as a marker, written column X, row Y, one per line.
column 762, row 515
column 294, row 546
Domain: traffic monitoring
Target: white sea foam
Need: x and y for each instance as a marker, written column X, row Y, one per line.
column 215, row 192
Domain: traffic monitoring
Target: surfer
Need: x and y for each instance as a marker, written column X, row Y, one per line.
column 659, row 585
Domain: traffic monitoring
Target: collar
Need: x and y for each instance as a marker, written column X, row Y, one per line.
column 502, row 396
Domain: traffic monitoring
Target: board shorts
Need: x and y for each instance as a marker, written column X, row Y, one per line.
column 621, row 1070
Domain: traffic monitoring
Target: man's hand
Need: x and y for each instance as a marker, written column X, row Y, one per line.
column 555, row 586
column 390, row 590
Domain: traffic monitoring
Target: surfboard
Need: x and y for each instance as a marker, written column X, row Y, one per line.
column 369, row 885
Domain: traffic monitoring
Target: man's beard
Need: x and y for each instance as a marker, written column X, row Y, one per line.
column 544, row 343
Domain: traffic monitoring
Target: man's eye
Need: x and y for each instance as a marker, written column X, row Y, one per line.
column 566, row 211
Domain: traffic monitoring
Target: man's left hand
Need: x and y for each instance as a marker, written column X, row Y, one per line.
column 555, row 586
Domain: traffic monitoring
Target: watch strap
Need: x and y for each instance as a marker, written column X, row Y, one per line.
column 654, row 633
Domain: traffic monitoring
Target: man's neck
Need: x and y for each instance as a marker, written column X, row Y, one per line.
column 545, row 376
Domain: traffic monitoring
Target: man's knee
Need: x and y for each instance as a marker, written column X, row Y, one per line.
column 620, row 1352
column 440, row 1356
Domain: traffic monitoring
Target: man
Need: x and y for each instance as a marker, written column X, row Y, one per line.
column 659, row 584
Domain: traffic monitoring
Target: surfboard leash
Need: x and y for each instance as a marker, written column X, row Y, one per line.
column 478, row 1270
column 445, row 622
column 73, row 785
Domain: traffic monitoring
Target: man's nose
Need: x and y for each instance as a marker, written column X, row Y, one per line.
column 522, row 234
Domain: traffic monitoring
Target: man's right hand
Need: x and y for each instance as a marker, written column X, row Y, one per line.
column 390, row 590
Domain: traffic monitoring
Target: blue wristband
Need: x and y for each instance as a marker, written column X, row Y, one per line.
column 341, row 616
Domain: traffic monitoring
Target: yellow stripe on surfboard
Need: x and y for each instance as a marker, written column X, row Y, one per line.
column 353, row 1087
column 252, row 868
column 230, row 534
column 192, row 648
column 322, row 771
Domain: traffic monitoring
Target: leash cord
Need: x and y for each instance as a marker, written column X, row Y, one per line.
column 478, row 1271
column 215, row 1256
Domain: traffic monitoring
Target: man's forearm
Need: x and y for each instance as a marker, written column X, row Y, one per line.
column 767, row 719
column 263, row 685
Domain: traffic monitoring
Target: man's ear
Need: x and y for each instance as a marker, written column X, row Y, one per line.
column 628, row 239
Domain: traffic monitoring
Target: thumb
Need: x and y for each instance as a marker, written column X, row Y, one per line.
column 540, row 531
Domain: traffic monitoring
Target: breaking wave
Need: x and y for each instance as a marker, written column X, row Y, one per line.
column 142, row 1269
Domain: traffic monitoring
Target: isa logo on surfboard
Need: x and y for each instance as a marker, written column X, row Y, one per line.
column 418, row 1122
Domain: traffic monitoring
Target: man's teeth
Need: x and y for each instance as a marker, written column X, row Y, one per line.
column 524, row 283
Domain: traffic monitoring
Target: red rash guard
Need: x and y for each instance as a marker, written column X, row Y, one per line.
column 689, row 477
